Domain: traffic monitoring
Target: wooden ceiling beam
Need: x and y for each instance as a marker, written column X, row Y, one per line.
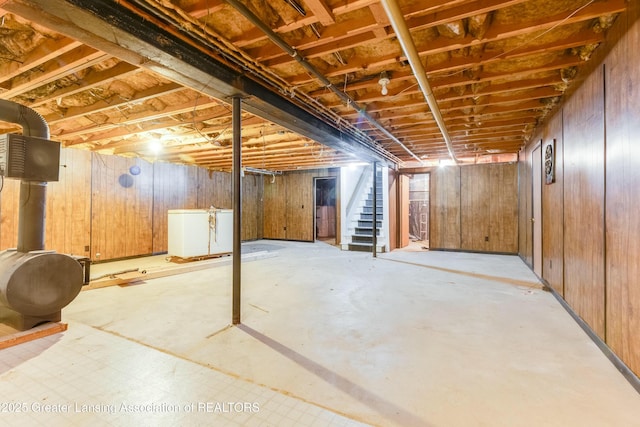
column 202, row 8
column 428, row 146
column 461, row 133
column 374, row 105
column 415, row 24
column 127, row 130
column 72, row 61
column 452, row 65
column 50, row 49
column 282, row 164
column 93, row 79
column 254, row 36
column 334, row 38
column 199, row 104
column 114, row 102
column 496, row 33
column 320, row 9
column 206, row 155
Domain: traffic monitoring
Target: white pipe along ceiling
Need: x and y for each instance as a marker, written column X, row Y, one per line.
column 404, row 38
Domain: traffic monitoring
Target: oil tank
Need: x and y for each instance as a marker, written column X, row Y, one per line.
column 36, row 285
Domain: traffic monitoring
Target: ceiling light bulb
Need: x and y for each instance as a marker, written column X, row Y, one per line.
column 384, row 81
column 155, row 146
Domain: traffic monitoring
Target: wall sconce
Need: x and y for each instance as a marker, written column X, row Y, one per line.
column 384, row 81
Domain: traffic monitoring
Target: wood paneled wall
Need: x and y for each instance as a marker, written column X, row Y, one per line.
column 68, row 208
column 584, row 202
column 394, row 210
column 503, row 209
column 553, row 212
column 9, row 203
column 475, row 208
column 174, row 187
column 215, row 189
column 122, row 207
column 72, row 234
column 252, row 211
column 289, row 204
column 444, row 221
column 275, row 207
column 403, row 213
column 525, row 208
column 299, row 206
column 592, row 256
column 100, row 209
column 622, row 106
column 475, row 187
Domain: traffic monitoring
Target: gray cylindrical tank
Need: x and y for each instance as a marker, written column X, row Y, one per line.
column 38, row 283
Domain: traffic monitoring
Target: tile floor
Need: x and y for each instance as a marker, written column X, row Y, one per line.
column 329, row 338
column 88, row 377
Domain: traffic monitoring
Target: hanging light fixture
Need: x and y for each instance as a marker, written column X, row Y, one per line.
column 384, row 81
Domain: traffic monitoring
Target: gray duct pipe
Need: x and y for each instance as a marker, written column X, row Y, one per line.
column 404, row 37
column 32, row 193
column 34, row 284
column 275, row 38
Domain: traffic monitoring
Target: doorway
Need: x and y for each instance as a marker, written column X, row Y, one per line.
column 325, row 209
column 536, row 219
column 419, row 211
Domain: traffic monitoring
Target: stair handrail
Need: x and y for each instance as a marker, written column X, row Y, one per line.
column 357, row 192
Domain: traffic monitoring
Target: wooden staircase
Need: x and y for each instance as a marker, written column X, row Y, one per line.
column 362, row 237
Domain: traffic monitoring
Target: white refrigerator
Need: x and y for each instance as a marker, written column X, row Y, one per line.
column 200, row 232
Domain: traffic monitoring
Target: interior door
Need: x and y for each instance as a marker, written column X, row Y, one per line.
column 536, row 195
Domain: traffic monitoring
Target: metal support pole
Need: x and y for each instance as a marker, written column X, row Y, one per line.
column 237, row 209
column 374, row 232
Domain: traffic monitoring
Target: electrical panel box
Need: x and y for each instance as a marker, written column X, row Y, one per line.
column 29, row 158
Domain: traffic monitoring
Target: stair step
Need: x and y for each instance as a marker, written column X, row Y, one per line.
column 365, row 231
column 368, row 218
column 369, row 210
column 364, row 247
column 369, row 202
column 361, row 247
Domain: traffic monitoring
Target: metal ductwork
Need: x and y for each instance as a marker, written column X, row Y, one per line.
column 34, row 284
column 32, row 193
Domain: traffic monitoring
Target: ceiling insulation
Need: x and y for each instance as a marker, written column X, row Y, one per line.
column 497, row 68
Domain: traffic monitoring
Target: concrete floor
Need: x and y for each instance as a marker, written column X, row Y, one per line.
column 332, row 338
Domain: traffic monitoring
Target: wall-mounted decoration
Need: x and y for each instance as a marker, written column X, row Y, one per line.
column 125, row 180
column 550, row 162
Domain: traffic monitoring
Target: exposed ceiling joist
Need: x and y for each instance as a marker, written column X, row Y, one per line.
column 110, row 75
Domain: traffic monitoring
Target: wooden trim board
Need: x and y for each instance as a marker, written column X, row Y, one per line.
column 10, row 337
column 154, row 273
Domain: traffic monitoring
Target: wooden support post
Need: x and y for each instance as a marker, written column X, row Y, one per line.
column 237, row 209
